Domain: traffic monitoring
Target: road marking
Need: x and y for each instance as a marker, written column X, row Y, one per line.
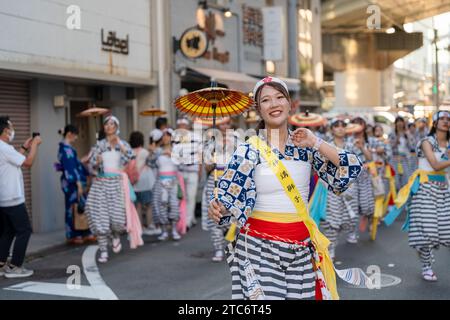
column 93, row 275
column 55, row 289
column 97, row 289
column 386, row 280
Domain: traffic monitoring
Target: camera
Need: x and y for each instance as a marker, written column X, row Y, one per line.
column 35, row 134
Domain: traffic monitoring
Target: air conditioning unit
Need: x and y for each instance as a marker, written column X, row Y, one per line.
column 59, row 101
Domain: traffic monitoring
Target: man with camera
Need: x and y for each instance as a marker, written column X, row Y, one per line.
column 14, row 221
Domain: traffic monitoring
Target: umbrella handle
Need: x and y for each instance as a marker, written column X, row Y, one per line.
column 216, row 191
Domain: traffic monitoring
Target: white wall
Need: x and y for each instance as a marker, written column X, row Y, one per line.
column 34, row 37
column 47, row 196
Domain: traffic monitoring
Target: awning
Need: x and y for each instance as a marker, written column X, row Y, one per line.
column 234, row 80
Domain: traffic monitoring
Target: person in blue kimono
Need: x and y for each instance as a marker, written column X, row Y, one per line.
column 73, row 184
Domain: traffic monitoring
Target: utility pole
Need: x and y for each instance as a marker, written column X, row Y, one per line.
column 436, row 80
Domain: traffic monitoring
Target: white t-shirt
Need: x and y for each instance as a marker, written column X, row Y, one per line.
column 11, row 179
column 146, row 175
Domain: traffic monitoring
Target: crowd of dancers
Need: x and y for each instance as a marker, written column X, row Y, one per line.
column 282, row 200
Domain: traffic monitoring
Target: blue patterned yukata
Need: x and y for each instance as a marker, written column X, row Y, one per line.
column 73, row 171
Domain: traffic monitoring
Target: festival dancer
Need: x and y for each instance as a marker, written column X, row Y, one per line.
column 279, row 252
column 224, row 147
column 109, row 205
column 336, row 213
column 429, row 218
column 400, row 141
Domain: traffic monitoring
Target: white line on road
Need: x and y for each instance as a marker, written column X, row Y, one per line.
column 93, row 275
column 97, row 289
column 55, row 289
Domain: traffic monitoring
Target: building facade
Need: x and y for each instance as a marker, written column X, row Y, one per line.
column 56, row 60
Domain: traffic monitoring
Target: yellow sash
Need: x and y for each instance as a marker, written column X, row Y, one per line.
column 403, row 194
column 319, row 241
column 392, row 190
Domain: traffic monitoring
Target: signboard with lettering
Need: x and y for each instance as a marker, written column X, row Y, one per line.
column 193, row 43
column 252, row 26
column 273, row 29
column 112, row 43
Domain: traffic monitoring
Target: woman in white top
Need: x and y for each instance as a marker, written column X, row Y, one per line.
column 400, row 141
column 166, row 203
column 429, row 220
column 277, row 253
column 143, row 180
column 224, row 146
column 109, row 204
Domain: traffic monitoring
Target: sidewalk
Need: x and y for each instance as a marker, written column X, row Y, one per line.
column 42, row 243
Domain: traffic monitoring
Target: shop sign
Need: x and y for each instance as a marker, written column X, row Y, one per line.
column 114, row 44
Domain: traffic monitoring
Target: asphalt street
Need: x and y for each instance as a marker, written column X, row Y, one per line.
column 184, row 271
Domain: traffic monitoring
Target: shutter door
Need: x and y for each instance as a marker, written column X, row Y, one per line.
column 15, row 103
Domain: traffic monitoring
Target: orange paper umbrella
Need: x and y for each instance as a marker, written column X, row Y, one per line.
column 353, row 128
column 208, row 122
column 214, row 102
column 307, row 119
column 153, row 112
column 93, row 112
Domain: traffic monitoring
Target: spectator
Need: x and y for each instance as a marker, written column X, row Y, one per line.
column 144, row 184
column 73, row 183
column 13, row 212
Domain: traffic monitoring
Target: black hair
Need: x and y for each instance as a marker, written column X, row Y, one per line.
column 397, row 120
column 4, row 124
column 359, row 119
column 411, row 125
column 160, row 122
column 136, row 139
column 434, row 128
column 68, row 129
column 101, row 135
column 277, row 86
column 377, row 126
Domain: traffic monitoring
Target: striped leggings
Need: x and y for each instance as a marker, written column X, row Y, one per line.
column 216, row 232
column 104, row 239
column 166, row 203
column 333, row 233
column 426, row 257
column 217, row 235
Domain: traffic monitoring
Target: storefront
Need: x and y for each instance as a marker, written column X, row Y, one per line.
column 225, row 43
column 57, row 60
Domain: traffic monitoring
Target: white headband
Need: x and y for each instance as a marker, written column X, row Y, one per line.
column 441, row 114
column 115, row 120
column 183, row 121
column 156, row 135
column 268, row 80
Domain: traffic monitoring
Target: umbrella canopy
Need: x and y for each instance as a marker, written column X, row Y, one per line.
column 201, row 103
column 353, row 128
column 208, row 122
column 153, row 112
column 307, row 119
column 93, row 112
